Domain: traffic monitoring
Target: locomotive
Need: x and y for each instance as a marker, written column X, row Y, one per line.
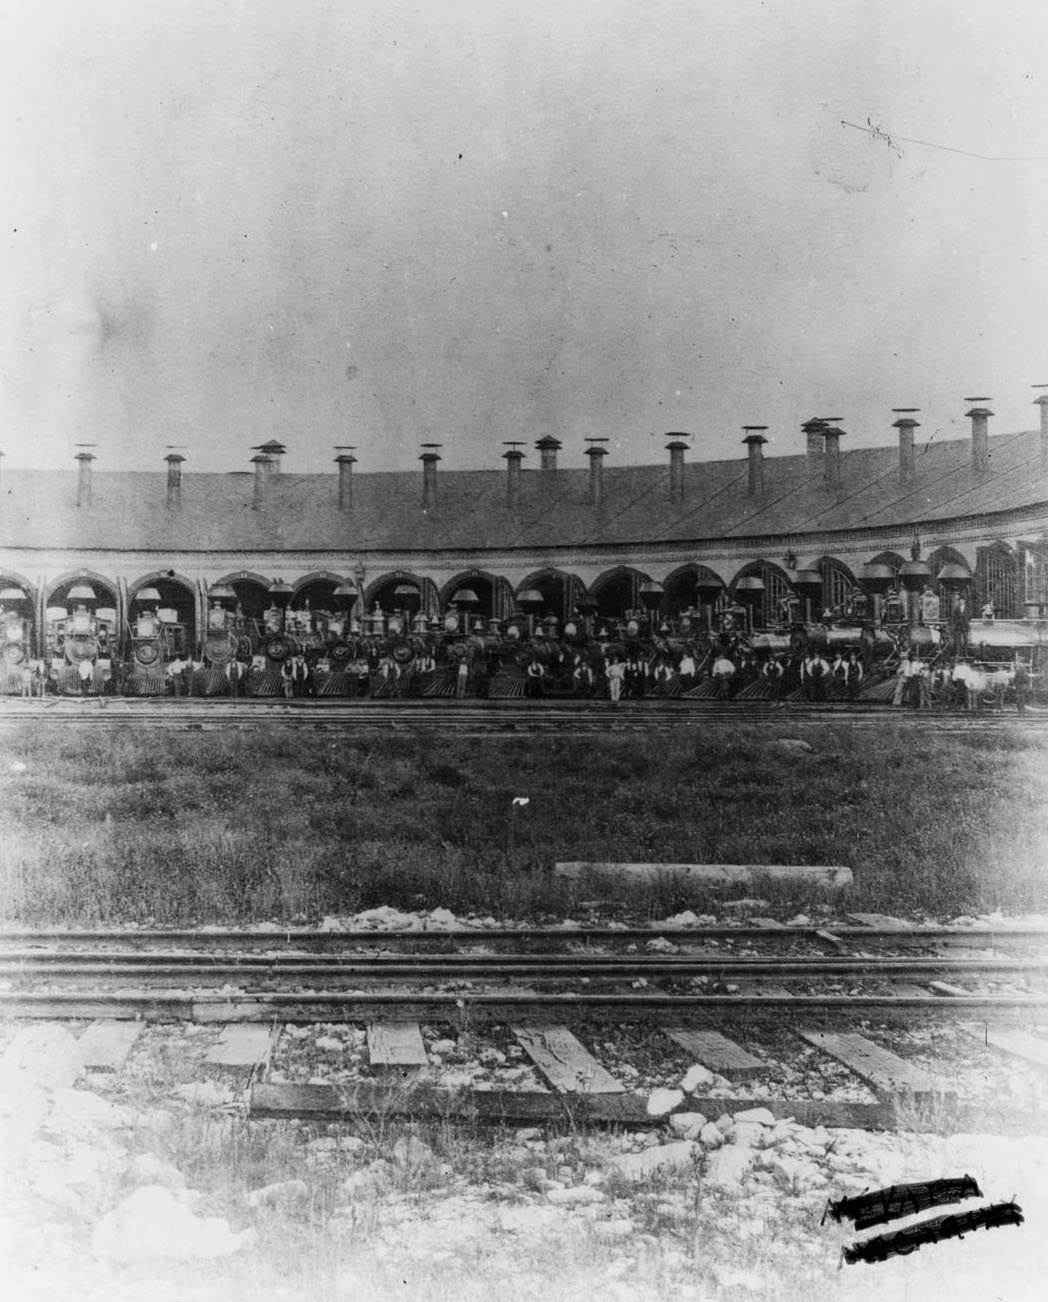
column 79, row 643
column 15, row 647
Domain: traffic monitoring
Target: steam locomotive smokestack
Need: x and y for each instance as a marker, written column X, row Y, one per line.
column 83, row 479
column 676, row 448
column 174, row 479
column 345, row 462
column 596, row 454
column 754, row 441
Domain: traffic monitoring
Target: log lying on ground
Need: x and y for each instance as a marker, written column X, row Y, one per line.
column 713, row 874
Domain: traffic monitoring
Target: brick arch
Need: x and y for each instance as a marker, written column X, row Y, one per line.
column 500, row 593
column 619, row 589
column 430, row 600
column 777, row 587
column 561, row 587
column 316, row 576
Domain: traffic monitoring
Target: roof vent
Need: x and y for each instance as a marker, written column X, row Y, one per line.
column 275, row 451
column 429, row 459
column 345, row 462
column 906, row 425
column 676, row 447
column 513, row 458
column 754, row 441
column 83, row 478
column 831, row 468
column 596, row 454
column 263, row 469
column 548, row 448
column 174, row 479
column 980, row 417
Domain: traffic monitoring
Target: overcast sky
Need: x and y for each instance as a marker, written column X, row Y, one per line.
column 331, row 221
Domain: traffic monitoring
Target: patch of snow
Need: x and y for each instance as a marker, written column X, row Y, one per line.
column 152, row 1222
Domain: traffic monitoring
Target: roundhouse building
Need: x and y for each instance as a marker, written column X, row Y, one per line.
column 683, row 535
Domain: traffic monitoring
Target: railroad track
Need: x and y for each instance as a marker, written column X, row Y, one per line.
column 252, row 989
column 486, row 717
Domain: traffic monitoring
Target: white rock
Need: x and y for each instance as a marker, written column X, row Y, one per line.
column 637, row 1165
column 747, row 1134
column 328, row 1044
column 696, row 1077
column 443, row 1047
column 795, row 1174
column 724, row 1122
column 728, row 1166
column 41, row 1054
column 205, row 1093
column 688, row 1125
column 620, row 1228
column 661, row 1101
column 576, row 1196
column 409, row 1150
column 710, row 1136
column 79, row 1112
column 762, row 1116
column 147, row 1168
column 285, row 1193
column 151, row 1223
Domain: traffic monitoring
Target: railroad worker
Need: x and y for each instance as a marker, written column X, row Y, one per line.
column 923, row 685
column 902, row 675
column 814, row 673
column 773, row 672
column 85, row 676
column 287, row 679
column 174, row 676
column 988, row 612
column 27, row 680
column 1021, row 685
column 686, row 670
column 582, row 677
column 1001, row 680
column 615, row 672
column 534, row 674
column 852, row 674
column 723, row 673
column 461, row 678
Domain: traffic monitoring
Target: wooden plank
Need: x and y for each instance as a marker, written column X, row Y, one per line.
column 948, row 990
column 822, row 876
column 242, row 1045
column 329, row 1103
column 396, row 1044
column 565, row 1063
column 716, row 1051
column 907, row 990
column 767, row 924
column 880, row 921
column 1015, row 1043
column 105, row 1046
column 887, row 1073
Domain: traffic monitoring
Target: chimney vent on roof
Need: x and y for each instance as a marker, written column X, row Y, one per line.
column 429, row 459
column 676, row 447
column 1042, row 402
column 263, row 469
column 754, row 441
column 906, row 425
column 275, row 451
column 596, row 454
column 174, row 479
column 813, row 431
column 83, row 478
column 345, row 462
column 513, row 458
column 831, row 470
column 980, row 417
column 548, row 447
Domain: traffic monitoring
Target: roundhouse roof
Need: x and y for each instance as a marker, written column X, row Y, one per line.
column 128, row 512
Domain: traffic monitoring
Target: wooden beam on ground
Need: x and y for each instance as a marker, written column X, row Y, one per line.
column 716, row 1051
column 105, row 1046
column 825, row 878
column 330, row 1103
column 880, row 921
column 907, row 990
column 565, row 1063
column 396, row 1044
column 242, row 1046
column 1015, row 1043
column 948, row 990
column 885, row 1071
column 768, row 924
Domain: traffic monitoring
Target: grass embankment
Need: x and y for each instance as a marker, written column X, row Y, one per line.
column 287, row 824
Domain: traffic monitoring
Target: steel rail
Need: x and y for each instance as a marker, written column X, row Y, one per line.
column 424, row 967
column 362, row 1005
column 290, row 936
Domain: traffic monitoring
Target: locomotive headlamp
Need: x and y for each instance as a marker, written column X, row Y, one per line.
column 220, row 592
column 144, row 594
column 466, row 597
column 85, row 592
column 651, row 594
column 12, row 594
